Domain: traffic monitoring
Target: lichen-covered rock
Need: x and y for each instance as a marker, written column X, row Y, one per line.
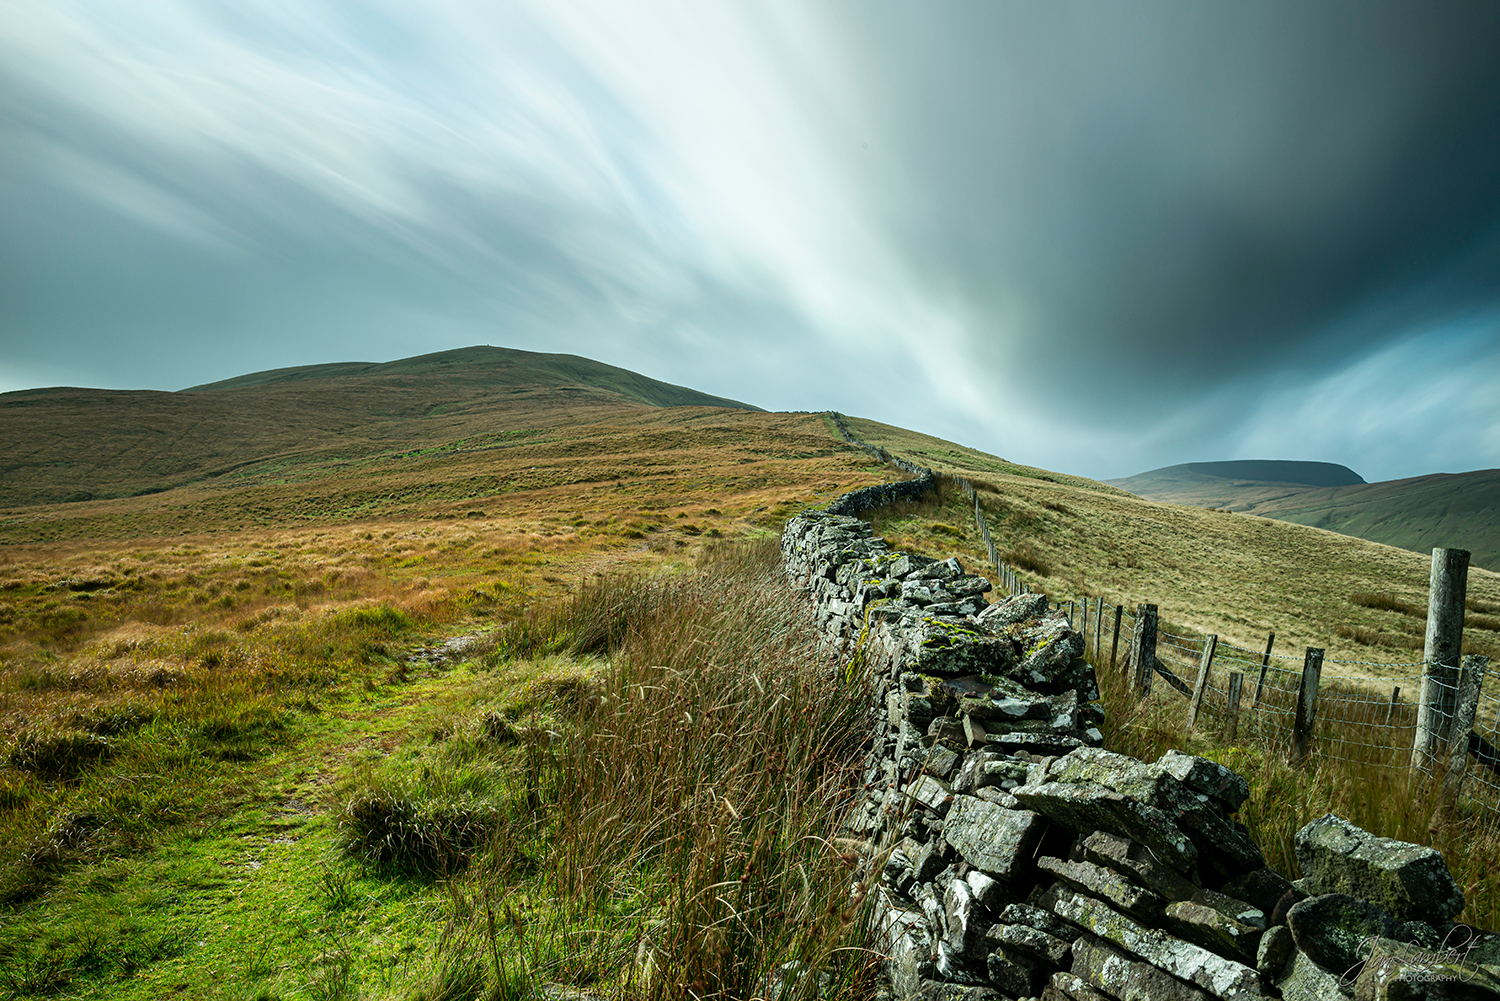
column 1013, row 611
column 1105, row 967
column 1213, row 930
column 1223, row 978
column 1261, row 887
column 899, row 933
column 1209, row 777
column 992, row 838
column 1136, row 863
column 1276, row 947
column 945, row 647
column 1085, row 807
column 1305, row 980
column 1465, row 969
column 1066, row 986
column 1332, row 927
column 1107, row 885
column 1409, row 881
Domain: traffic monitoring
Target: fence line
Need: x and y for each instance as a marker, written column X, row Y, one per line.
column 1281, row 699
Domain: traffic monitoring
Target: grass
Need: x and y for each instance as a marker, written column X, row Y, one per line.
column 169, row 661
column 1358, row 769
column 661, row 820
column 1238, row 576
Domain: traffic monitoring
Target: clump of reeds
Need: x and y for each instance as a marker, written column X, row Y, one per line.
column 1358, row 768
column 692, row 815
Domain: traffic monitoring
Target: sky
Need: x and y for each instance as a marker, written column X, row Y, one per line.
column 1097, row 237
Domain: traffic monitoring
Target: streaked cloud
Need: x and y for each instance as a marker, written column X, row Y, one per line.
column 1088, row 236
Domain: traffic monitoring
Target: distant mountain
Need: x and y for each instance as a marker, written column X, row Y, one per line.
column 1443, row 509
column 67, row 444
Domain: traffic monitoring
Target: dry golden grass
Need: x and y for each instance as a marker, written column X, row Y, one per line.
column 1237, row 576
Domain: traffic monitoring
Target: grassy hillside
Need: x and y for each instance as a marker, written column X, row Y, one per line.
column 1459, row 510
column 236, row 759
column 1235, row 575
column 65, row 445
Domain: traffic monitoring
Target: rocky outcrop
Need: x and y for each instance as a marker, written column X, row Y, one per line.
column 1017, row 858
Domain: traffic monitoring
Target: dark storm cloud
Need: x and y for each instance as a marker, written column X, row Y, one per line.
column 1091, row 236
column 1202, row 191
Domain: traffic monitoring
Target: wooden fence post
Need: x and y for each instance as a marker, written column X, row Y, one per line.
column 1098, row 627
column 1205, row 665
column 1114, row 647
column 1438, row 695
column 1265, row 665
column 1471, row 676
column 1390, row 709
column 1143, row 648
column 1083, row 619
column 1307, row 706
column 1236, row 683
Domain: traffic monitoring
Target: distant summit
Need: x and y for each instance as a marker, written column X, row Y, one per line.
column 1308, row 474
column 1417, row 513
column 483, row 367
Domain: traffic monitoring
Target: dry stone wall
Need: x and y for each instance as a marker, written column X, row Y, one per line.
column 1014, row 857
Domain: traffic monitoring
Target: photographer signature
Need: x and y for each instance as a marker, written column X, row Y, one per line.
column 1390, row 955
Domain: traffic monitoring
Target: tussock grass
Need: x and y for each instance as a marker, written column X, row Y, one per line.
column 1385, row 601
column 687, row 806
column 1355, row 770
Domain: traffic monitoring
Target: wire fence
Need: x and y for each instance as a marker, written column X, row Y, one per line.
column 1250, row 696
column 1365, row 720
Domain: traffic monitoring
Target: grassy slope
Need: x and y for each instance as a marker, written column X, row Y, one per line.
column 76, row 444
column 1238, row 576
column 1443, row 509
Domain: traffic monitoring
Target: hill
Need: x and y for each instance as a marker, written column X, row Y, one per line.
column 1418, row 513
column 67, row 444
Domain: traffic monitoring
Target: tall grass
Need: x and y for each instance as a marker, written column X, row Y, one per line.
column 1356, row 769
column 690, row 802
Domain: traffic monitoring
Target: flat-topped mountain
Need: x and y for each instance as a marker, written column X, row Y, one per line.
column 69, row 444
column 1417, row 513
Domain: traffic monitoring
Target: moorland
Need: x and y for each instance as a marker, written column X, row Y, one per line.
column 421, row 683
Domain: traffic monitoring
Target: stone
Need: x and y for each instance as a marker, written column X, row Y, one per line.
column 1066, row 987
column 1409, row 881
column 1331, row 927
column 1223, row 978
column 1209, row 777
column 1261, row 887
column 1035, row 743
column 954, row 965
column 1305, row 980
column 989, row 767
column 998, row 796
column 1106, row 968
column 1107, row 885
column 1136, row 863
column 1085, row 807
column 1240, row 910
column 992, row 838
column 946, row 728
column 1276, row 947
column 1213, row 930
column 1419, row 933
column 942, row 762
column 974, row 734
column 1464, row 970
column 899, row 933
column 1038, row 945
column 949, row 648
column 964, row 922
column 1038, row 918
column 989, row 892
column 1014, row 973
column 1012, row 611
column 937, row 990
column 931, row 792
